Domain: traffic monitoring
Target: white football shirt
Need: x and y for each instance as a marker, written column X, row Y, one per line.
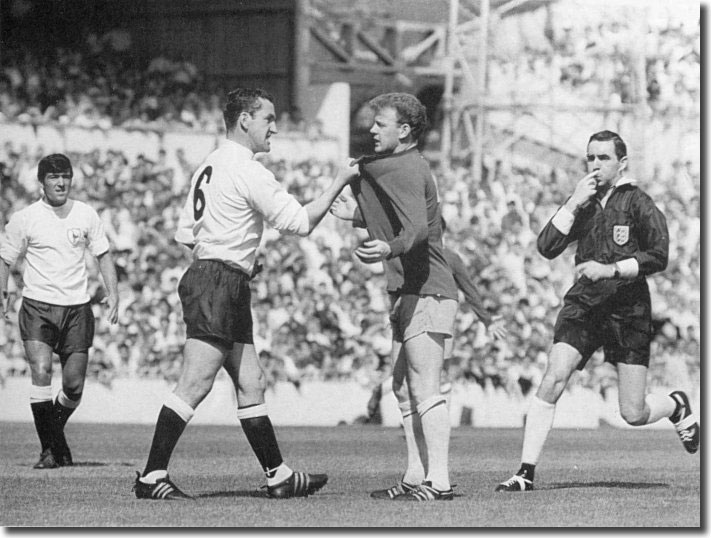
column 231, row 195
column 53, row 241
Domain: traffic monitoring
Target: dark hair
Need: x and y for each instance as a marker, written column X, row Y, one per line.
column 443, row 223
column 408, row 107
column 56, row 163
column 606, row 136
column 243, row 100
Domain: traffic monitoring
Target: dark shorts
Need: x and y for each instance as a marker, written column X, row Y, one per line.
column 67, row 329
column 621, row 325
column 216, row 303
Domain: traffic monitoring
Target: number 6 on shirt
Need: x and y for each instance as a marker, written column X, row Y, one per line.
column 198, row 195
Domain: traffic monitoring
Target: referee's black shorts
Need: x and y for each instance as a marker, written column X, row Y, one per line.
column 66, row 329
column 216, row 303
column 621, row 324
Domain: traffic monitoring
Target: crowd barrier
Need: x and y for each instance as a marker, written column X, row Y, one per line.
column 314, row 403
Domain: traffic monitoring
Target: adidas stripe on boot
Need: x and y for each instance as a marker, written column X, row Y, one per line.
column 163, row 489
column 685, row 422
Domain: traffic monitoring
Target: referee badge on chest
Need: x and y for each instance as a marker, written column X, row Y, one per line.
column 620, row 235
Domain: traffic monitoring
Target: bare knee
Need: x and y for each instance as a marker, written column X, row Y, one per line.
column 193, row 389
column 73, row 386
column 401, row 391
column 41, row 372
column 251, row 390
column 552, row 385
column 634, row 415
column 562, row 362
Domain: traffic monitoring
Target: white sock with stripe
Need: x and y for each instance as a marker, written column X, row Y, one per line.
column 660, row 406
column 416, row 446
column 436, row 429
column 539, row 422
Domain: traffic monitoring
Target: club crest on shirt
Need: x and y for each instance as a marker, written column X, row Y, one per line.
column 621, row 234
column 76, row 236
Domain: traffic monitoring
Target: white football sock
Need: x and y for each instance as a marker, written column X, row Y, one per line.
column 415, row 441
column 539, row 422
column 282, row 473
column 436, row 429
column 660, row 406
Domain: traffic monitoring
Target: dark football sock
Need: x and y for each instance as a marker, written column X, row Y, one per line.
column 44, row 422
column 169, row 428
column 63, row 412
column 260, row 434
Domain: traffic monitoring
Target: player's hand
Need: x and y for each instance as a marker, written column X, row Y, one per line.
column 5, row 304
column 112, row 303
column 594, row 270
column 348, row 172
column 344, row 207
column 584, row 191
column 497, row 328
column 373, row 251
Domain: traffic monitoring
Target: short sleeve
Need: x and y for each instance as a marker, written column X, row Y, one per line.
column 14, row 241
column 98, row 242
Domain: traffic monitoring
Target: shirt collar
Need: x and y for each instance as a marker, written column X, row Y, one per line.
column 236, row 146
column 619, row 183
column 624, row 180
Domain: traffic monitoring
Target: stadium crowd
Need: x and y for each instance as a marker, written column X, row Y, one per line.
column 582, row 58
column 104, row 84
column 319, row 312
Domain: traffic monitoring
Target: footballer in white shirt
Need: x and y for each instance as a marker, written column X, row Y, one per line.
column 231, row 197
column 53, row 235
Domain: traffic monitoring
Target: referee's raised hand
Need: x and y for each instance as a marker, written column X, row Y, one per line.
column 584, row 191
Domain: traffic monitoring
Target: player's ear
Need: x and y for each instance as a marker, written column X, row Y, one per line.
column 623, row 164
column 243, row 120
column 405, row 130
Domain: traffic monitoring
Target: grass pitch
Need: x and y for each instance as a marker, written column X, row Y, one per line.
column 600, row 478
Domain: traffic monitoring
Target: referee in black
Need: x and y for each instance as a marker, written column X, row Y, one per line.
column 621, row 239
